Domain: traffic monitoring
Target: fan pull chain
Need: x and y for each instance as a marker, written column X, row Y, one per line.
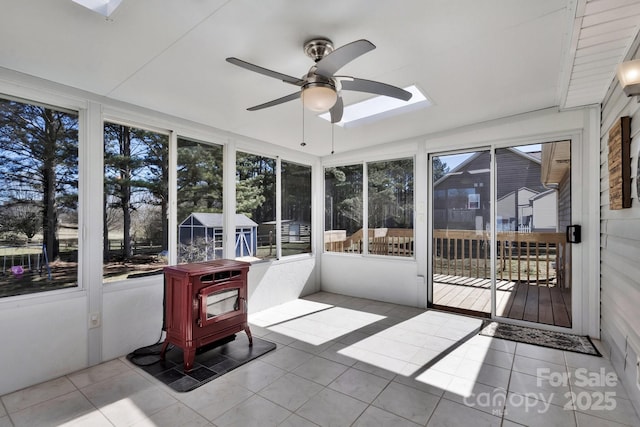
column 332, row 138
column 302, row 144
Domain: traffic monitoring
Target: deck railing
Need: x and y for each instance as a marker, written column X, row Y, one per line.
column 540, row 257
column 534, row 257
column 392, row 241
column 382, row 241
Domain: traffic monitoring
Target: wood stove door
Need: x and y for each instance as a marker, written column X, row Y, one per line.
column 220, row 302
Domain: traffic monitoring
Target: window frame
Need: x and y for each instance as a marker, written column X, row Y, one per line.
column 143, row 124
column 279, row 194
column 413, row 205
column 66, row 105
column 174, row 221
column 365, row 204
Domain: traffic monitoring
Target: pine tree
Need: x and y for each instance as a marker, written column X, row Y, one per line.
column 39, row 163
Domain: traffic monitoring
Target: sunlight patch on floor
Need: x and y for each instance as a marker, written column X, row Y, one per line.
column 326, row 325
column 287, row 311
column 407, row 347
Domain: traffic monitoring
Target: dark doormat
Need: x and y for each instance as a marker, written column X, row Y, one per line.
column 551, row 339
column 211, row 361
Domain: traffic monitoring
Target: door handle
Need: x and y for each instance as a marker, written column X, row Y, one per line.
column 574, row 234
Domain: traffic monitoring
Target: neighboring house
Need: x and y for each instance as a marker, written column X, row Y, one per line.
column 544, row 208
column 514, row 210
column 526, row 192
column 460, row 198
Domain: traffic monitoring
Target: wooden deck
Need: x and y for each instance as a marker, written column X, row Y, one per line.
column 541, row 257
column 522, row 301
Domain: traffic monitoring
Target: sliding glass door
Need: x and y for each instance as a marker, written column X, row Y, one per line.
column 533, row 211
column 512, row 239
column 461, row 260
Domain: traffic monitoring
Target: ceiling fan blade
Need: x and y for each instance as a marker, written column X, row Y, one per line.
column 362, row 85
column 337, row 110
column 255, row 68
column 282, row 100
column 337, row 59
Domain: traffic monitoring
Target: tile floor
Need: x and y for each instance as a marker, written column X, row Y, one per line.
column 345, row 361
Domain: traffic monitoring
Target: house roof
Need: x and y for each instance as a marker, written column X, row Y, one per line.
column 543, row 194
column 476, row 61
column 214, row 220
column 534, row 157
column 510, row 193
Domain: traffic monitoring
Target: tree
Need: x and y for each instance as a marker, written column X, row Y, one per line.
column 199, row 178
column 39, row 157
column 136, row 171
column 343, row 190
column 23, row 217
column 255, row 187
column 156, row 182
column 119, row 166
column 391, row 194
column 440, row 168
column 296, row 192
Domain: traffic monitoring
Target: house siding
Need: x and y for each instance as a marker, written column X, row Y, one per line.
column 620, row 250
column 515, row 174
column 564, row 203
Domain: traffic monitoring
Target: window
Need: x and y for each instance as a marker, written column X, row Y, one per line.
column 135, row 222
column 38, row 198
column 343, row 209
column 199, row 201
column 390, row 205
column 296, row 208
column 255, row 206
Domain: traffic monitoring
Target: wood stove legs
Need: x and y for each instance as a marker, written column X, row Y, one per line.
column 248, row 332
column 189, row 354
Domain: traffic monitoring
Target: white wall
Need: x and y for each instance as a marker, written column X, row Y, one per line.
column 620, row 250
column 375, row 277
column 273, row 283
column 132, row 315
column 41, row 338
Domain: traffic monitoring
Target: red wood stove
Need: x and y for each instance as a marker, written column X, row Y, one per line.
column 204, row 302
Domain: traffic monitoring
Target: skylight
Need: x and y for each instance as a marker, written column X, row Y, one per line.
column 380, row 107
column 103, row 7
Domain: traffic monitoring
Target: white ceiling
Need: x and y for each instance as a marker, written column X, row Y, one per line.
column 475, row 60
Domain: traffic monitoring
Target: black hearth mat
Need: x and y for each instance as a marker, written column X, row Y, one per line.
column 211, row 361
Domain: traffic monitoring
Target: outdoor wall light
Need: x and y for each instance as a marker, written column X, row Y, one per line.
column 629, row 77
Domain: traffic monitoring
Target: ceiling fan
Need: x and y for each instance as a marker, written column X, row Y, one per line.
column 320, row 87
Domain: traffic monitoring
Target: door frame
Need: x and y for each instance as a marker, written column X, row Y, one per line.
column 584, row 288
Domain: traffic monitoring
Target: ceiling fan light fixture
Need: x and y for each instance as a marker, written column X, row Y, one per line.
column 319, row 97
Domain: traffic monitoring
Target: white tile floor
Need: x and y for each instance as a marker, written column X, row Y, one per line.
column 345, row 361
